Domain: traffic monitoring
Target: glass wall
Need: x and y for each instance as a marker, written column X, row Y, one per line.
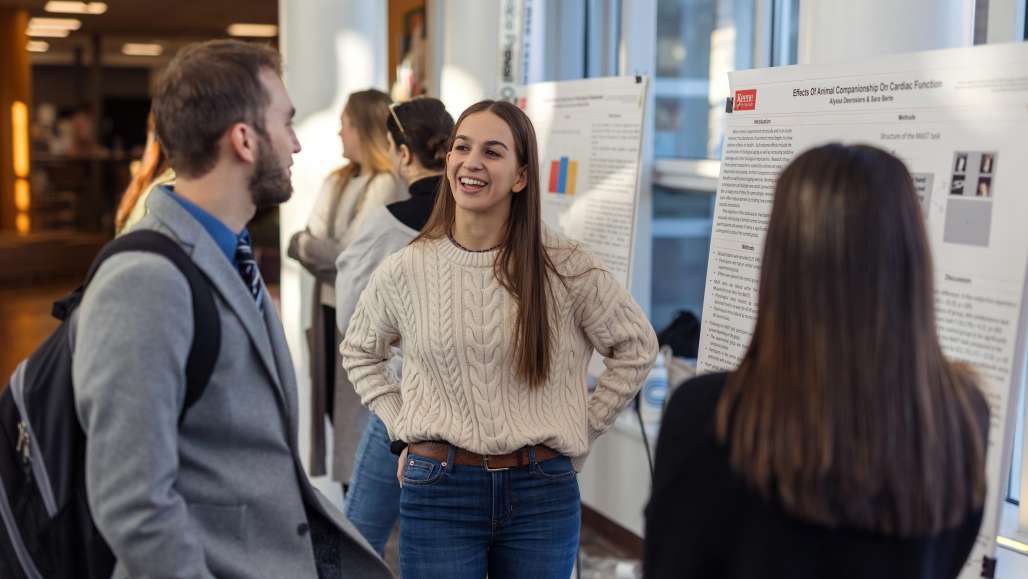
column 698, row 43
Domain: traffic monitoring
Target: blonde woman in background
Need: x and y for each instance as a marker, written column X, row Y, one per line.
column 154, row 169
column 348, row 194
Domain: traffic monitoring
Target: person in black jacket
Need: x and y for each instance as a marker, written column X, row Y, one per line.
column 845, row 445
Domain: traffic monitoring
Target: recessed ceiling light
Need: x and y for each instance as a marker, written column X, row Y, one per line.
column 37, row 46
column 76, row 7
column 55, row 23
column 253, row 30
column 48, row 32
column 140, row 49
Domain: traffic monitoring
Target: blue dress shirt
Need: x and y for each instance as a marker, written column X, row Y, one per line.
column 223, row 236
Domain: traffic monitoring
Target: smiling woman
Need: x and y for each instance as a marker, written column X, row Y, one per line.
column 483, row 172
column 498, row 318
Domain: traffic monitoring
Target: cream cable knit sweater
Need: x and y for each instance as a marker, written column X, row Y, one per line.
column 459, row 383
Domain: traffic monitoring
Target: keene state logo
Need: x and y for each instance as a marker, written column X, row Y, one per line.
column 745, row 100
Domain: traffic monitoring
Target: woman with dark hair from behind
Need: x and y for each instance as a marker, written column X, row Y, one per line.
column 418, row 134
column 845, row 444
column 154, row 169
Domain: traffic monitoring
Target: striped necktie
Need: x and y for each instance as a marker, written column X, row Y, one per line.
column 248, row 268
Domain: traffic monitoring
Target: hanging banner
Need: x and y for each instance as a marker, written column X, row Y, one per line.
column 512, row 35
column 957, row 118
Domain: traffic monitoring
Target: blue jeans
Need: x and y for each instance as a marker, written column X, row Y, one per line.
column 373, row 499
column 461, row 521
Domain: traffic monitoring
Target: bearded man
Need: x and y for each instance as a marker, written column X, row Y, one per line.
column 218, row 491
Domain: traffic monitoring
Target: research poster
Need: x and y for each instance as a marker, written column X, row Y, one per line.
column 958, row 119
column 590, row 135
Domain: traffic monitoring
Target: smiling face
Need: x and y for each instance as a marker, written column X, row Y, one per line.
column 482, row 167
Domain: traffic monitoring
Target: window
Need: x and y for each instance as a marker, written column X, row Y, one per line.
column 698, row 43
column 682, row 220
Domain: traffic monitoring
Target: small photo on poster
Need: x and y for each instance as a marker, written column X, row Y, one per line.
column 984, row 187
column 957, row 185
column 968, row 169
column 960, row 165
column 987, row 163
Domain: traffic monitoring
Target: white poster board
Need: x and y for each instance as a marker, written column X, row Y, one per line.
column 590, row 135
column 958, row 119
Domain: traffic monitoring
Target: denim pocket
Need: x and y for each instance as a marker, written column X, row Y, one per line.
column 559, row 468
column 421, row 470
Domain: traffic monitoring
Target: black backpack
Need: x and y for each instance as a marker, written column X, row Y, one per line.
column 47, row 530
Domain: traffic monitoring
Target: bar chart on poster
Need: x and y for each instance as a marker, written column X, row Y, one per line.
column 957, row 118
column 590, row 135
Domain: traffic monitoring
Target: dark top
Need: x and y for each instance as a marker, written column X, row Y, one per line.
column 414, row 212
column 703, row 522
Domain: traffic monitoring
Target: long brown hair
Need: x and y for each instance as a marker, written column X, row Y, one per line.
column 523, row 265
column 368, row 110
column 151, row 165
column 844, row 407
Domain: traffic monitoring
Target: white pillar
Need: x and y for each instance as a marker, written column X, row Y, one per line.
column 844, row 30
column 470, row 54
column 330, row 48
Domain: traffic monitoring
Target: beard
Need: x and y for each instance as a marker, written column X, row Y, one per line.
column 270, row 183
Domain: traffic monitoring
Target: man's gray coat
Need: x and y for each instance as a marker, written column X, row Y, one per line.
column 223, row 495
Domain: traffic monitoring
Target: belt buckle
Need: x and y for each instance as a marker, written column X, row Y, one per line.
column 485, row 461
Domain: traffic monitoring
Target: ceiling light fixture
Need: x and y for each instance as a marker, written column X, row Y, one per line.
column 37, row 46
column 55, row 23
column 76, row 7
column 48, row 32
column 141, row 49
column 253, row 30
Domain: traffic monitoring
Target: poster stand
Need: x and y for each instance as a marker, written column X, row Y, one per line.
column 590, row 135
column 954, row 117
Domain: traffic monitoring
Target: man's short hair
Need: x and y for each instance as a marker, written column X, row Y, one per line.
column 207, row 88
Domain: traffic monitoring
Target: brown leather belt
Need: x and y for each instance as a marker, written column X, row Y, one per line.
column 441, row 451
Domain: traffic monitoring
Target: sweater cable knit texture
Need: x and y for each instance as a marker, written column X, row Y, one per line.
column 459, row 382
